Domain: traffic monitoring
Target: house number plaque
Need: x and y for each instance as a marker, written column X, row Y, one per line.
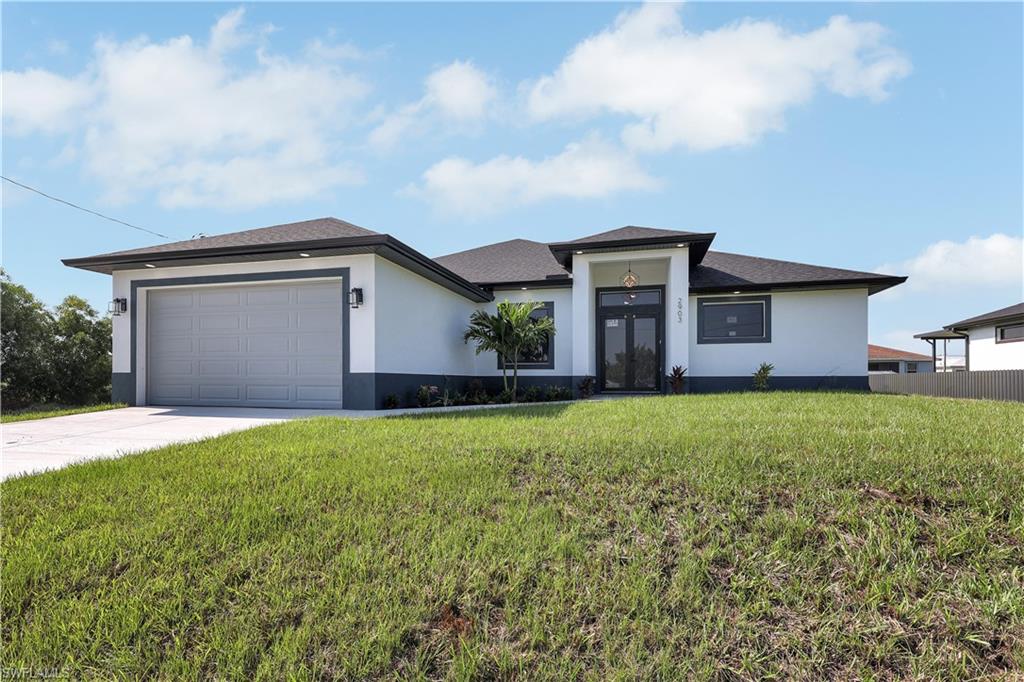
column 679, row 310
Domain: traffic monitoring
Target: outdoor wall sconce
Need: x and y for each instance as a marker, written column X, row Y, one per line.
column 117, row 307
column 355, row 297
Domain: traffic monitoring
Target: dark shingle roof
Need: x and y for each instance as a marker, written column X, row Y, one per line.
column 886, row 353
column 722, row 271
column 307, row 230
column 629, row 232
column 517, row 260
column 1016, row 310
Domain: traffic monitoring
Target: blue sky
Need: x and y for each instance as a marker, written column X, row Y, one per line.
column 867, row 136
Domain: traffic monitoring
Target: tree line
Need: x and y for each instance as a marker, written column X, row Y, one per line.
column 51, row 356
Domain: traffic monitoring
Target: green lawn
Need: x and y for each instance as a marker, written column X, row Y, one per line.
column 44, row 411
column 724, row 537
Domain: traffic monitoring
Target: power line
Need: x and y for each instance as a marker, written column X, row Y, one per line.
column 82, row 208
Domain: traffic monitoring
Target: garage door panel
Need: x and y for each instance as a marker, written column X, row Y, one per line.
column 280, row 393
column 268, row 345
column 319, row 294
column 214, row 299
column 269, row 297
column 268, row 367
column 271, row 320
column 169, row 367
column 167, row 345
column 219, row 322
column 220, row 368
column 168, row 324
column 172, row 392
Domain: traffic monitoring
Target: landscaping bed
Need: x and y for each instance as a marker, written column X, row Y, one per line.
column 740, row 536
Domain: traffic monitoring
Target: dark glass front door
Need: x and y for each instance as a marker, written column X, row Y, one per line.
column 629, row 353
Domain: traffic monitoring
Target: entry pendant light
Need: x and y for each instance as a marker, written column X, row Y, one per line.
column 630, row 280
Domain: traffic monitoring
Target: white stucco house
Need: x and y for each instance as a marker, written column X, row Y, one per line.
column 992, row 340
column 886, row 360
column 323, row 313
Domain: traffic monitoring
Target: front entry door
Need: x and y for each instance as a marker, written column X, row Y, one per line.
column 630, row 352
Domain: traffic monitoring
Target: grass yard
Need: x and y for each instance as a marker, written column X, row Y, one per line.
column 725, row 537
column 44, row 411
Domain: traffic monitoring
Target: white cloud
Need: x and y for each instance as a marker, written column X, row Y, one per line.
column 40, row 101
column 177, row 118
column 993, row 261
column 720, row 88
column 589, row 169
column 461, row 91
column 457, row 93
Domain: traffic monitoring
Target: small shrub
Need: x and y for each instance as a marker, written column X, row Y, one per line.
column 533, row 394
column 559, row 393
column 476, row 394
column 390, row 401
column 677, row 379
column 586, row 387
column 506, row 396
column 762, row 375
column 427, row 396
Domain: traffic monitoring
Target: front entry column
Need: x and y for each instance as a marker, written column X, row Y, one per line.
column 677, row 311
column 583, row 361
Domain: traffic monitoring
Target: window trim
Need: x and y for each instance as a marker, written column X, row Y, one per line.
column 766, row 302
column 1000, row 327
column 547, row 364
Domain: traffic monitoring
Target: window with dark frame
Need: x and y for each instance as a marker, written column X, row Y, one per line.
column 893, row 367
column 543, row 356
column 1010, row 333
column 911, row 368
column 734, row 319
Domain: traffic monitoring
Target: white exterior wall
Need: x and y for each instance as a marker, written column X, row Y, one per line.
column 486, row 364
column 419, row 324
column 814, row 333
column 985, row 353
column 361, row 321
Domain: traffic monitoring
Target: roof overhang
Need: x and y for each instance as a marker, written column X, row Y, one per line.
column 698, row 244
column 872, row 284
column 940, row 334
column 382, row 245
column 988, row 322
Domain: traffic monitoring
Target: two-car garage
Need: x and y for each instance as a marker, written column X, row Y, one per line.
column 253, row 345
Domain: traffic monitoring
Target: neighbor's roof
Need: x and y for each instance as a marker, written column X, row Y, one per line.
column 720, row 272
column 939, row 334
column 517, row 260
column 1009, row 312
column 885, row 353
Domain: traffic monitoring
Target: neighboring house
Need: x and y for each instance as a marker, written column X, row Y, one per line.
column 993, row 340
column 323, row 313
column 894, row 361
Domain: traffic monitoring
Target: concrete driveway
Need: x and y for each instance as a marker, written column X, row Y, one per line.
column 59, row 441
column 56, row 442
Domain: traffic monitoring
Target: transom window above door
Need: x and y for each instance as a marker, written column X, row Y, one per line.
column 734, row 319
column 612, row 299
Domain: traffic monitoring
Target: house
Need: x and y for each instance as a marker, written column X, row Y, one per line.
column 326, row 314
column 894, row 361
column 993, row 340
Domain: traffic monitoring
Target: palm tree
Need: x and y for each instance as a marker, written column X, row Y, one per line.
column 509, row 333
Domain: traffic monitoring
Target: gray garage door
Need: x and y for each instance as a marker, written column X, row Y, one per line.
column 272, row 345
